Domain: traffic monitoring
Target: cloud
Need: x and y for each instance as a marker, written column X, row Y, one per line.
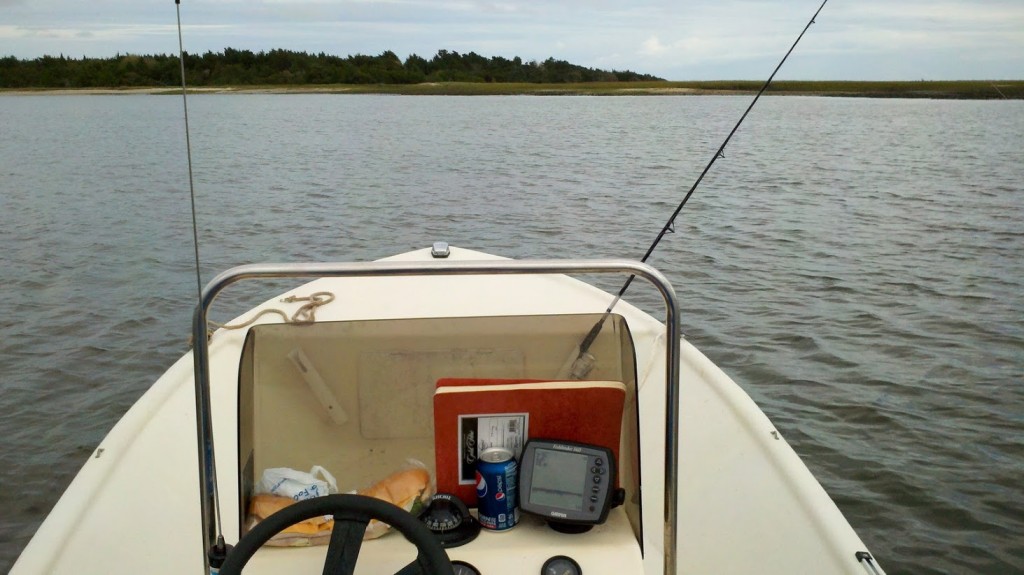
column 698, row 39
column 93, row 31
column 930, row 14
column 653, row 47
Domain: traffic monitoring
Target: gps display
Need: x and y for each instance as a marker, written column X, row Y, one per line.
column 566, row 482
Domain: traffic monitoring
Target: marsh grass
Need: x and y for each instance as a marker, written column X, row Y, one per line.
column 973, row 89
column 964, row 89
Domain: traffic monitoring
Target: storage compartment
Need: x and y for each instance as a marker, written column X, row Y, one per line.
column 356, row 397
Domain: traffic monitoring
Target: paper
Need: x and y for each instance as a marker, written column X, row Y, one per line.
column 480, row 432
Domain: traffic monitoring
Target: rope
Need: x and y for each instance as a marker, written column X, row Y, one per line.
column 306, row 313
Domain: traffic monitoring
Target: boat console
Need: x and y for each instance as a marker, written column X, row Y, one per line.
column 363, row 398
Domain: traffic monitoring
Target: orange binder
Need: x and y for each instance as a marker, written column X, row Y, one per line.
column 473, row 414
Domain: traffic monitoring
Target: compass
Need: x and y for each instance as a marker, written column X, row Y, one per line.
column 449, row 520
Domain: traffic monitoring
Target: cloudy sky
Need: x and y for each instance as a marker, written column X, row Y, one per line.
column 674, row 39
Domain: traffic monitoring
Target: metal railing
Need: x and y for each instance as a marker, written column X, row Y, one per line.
column 209, row 499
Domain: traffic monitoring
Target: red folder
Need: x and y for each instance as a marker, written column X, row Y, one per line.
column 467, row 413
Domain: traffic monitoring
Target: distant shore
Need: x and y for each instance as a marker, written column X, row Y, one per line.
column 966, row 90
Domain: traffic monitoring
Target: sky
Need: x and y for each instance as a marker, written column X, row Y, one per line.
column 672, row 39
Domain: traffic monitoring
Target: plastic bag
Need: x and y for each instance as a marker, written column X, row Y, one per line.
column 278, row 488
column 410, row 488
column 298, row 485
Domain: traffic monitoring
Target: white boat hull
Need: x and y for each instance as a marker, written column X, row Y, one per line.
column 747, row 503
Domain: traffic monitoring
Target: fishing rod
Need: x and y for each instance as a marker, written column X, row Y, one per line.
column 584, row 362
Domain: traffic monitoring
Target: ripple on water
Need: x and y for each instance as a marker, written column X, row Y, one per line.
column 858, row 272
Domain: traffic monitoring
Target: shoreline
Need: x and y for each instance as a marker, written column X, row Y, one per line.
column 963, row 90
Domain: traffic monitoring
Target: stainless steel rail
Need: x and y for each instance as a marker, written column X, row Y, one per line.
column 201, row 355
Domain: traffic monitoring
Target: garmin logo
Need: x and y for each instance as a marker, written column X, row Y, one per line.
column 564, row 447
column 559, row 514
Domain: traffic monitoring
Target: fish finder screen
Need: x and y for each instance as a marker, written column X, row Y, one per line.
column 559, row 479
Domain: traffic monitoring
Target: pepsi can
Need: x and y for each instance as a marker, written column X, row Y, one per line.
column 496, row 489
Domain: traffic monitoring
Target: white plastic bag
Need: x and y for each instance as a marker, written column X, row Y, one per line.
column 297, row 485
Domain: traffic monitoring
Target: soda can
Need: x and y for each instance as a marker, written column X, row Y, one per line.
column 496, row 489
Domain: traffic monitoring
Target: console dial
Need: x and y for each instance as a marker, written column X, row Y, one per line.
column 561, row 565
column 463, row 568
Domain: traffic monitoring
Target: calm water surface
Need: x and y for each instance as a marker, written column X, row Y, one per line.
column 855, row 265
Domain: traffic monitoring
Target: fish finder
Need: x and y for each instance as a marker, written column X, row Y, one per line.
column 570, row 484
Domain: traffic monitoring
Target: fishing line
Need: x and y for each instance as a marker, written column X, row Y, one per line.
column 188, row 151
column 584, row 361
column 218, row 550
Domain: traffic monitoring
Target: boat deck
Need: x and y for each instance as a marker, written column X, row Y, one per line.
column 746, row 501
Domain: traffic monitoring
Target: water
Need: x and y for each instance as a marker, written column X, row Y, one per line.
column 854, row 264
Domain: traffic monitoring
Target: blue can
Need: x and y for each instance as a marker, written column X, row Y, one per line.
column 496, row 489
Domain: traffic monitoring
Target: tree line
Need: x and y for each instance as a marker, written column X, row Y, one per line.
column 279, row 67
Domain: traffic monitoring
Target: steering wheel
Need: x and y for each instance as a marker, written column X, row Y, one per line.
column 351, row 515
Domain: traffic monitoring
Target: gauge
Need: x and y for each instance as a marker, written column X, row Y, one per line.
column 463, row 568
column 443, row 515
column 449, row 520
column 561, row 565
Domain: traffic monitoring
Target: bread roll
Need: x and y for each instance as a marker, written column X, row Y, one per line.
column 313, row 531
column 408, row 489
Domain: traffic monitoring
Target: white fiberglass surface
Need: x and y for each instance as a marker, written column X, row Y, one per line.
column 746, row 501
